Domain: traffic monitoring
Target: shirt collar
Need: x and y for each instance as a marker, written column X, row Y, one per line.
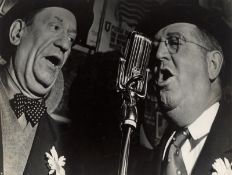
column 205, row 119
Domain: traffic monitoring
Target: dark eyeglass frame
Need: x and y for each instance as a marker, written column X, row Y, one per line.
column 173, row 43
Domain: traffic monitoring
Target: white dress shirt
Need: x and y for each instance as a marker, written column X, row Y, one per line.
column 199, row 131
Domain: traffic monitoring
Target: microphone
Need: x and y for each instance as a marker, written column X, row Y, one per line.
column 132, row 80
column 132, row 71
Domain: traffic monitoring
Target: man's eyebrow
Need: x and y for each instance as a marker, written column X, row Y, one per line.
column 169, row 34
column 58, row 18
column 174, row 34
column 70, row 30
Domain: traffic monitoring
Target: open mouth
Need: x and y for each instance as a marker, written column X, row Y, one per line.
column 166, row 74
column 54, row 60
column 164, row 77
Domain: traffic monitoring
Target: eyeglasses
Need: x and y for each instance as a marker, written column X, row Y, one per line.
column 173, row 43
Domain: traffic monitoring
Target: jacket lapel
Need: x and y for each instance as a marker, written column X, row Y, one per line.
column 157, row 163
column 4, row 106
column 44, row 140
column 217, row 143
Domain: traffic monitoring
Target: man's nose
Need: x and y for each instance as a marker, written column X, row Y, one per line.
column 63, row 43
column 162, row 52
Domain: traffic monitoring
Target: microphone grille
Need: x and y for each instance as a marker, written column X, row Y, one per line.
column 137, row 54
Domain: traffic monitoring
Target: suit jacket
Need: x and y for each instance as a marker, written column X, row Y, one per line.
column 218, row 145
column 46, row 136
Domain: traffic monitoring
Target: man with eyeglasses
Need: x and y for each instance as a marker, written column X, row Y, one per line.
column 186, row 63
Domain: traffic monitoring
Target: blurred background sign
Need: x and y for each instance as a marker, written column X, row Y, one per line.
column 119, row 17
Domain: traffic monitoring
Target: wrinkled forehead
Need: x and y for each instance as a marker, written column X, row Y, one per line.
column 56, row 16
column 56, row 13
column 184, row 29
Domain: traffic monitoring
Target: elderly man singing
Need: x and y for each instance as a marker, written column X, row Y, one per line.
column 36, row 40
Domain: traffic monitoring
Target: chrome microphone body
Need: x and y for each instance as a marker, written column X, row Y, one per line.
column 132, row 81
column 132, row 71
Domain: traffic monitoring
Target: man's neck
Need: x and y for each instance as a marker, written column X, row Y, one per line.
column 12, row 86
column 8, row 83
column 186, row 114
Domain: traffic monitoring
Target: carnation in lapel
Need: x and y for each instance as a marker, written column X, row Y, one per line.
column 55, row 163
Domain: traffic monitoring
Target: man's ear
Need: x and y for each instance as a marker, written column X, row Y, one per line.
column 16, row 31
column 215, row 61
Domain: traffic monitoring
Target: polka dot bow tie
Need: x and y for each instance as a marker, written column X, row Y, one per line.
column 33, row 109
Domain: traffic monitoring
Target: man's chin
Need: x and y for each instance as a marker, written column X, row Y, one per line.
column 40, row 90
column 168, row 100
column 165, row 107
column 45, row 82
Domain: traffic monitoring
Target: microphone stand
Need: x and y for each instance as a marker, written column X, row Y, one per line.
column 128, row 126
column 132, row 81
column 129, row 123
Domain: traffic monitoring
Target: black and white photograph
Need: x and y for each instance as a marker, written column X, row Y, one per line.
column 115, row 87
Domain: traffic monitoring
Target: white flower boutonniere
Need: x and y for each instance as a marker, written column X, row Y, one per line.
column 222, row 167
column 55, row 163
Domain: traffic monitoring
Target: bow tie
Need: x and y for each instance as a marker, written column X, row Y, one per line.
column 33, row 109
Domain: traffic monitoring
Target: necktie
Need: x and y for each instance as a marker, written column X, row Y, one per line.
column 33, row 109
column 173, row 163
